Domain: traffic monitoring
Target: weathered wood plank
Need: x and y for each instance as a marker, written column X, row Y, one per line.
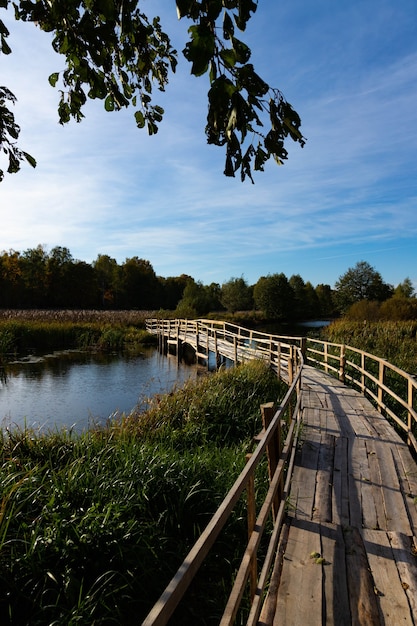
column 299, row 599
column 354, row 482
column 340, row 501
column 336, row 610
column 391, row 597
column 324, row 480
column 363, row 604
column 407, row 567
column 375, row 478
column 396, row 515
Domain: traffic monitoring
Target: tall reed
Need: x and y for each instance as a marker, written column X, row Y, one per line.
column 93, row 526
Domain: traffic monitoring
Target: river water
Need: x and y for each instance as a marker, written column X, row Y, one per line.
column 78, row 390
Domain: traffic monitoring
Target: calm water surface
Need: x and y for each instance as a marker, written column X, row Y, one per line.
column 79, row 390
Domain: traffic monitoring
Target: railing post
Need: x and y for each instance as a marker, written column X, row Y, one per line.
column 342, row 363
column 380, row 383
column 273, row 449
column 291, row 366
column 235, row 347
column 325, row 355
column 216, row 351
column 250, row 493
column 279, row 361
column 409, row 416
column 303, row 348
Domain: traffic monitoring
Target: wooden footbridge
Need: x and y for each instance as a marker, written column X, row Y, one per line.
column 343, row 487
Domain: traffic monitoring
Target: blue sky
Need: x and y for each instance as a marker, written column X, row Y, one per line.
column 105, row 187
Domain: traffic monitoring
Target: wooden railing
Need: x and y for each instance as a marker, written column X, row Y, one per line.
column 280, row 462
column 390, row 389
column 393, row 391
column 229, row 341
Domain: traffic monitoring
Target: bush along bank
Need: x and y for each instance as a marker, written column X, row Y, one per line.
column 93, row 526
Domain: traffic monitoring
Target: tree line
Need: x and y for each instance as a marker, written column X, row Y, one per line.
column 38, row 279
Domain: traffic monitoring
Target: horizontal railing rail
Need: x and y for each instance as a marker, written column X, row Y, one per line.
column 280, row 462
column 392, row 390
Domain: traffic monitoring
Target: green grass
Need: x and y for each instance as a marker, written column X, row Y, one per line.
column 93, row 526
column 394, row 341
column 37, row 335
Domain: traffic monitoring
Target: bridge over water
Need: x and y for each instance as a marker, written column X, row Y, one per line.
column 343, row 486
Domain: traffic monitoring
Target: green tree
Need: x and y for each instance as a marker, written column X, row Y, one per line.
column 108, row 279
column 115, row 52
column 140, row 288
column 274, row 296
column 361, row 282
column 299, row 291
column 195, row 300
column 404, row 289
column 325, row 299
column 11, row 284
column 33, row 263
column 236, row 295
column 58, row 269
column 173, row 290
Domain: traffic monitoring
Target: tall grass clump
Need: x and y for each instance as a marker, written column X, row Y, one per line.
column 93, row 526
column 34, row 336
column 394, row 341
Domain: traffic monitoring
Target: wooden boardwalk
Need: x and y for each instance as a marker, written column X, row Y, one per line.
column 348, row 551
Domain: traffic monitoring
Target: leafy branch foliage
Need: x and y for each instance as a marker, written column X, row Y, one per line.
column 116, row 53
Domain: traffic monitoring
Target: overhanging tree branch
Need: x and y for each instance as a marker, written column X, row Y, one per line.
column 116, row 53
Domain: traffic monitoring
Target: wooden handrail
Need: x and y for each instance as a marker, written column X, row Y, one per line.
column 254, row 344
column 371, row 374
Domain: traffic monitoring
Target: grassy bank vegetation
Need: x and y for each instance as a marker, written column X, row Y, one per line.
column 394, row 341
column 32, row 331
column 93, row 526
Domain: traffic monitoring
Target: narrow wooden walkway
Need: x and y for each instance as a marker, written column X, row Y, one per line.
column 348, row 553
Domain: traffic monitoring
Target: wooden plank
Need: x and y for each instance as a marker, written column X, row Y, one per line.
column 354, row 482
column 407, row 567
column 407, row 474
column 340, row 500
column 336, row 610
column 391, row 597
column 362, row 598
column 299, row 599
column 376, row 481
column 369, row 512
column 395, row 512
column 323, row 496
column 303, row 485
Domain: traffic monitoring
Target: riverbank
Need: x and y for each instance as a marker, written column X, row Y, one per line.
column 33, row 331
column 92, row 527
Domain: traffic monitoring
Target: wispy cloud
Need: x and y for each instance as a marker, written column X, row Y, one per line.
column 102, row 186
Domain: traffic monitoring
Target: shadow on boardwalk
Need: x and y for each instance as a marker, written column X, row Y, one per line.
column 348, row 553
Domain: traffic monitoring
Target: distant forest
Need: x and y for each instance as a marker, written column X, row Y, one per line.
column 38, row 279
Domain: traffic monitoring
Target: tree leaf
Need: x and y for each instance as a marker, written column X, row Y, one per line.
column 109, row 103
column 29, row 158
column 140, row 119
column 53, row 79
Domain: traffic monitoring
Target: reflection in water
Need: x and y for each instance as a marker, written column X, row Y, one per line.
column 73, row 389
